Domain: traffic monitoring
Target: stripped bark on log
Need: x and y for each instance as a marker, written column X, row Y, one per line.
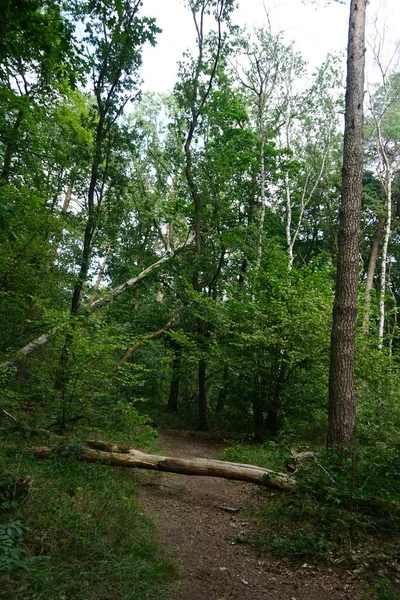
column 113, row 455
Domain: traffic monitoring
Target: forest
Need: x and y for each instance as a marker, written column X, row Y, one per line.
column 170, row 262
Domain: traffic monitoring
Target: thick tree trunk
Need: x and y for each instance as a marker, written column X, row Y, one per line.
column 129, row 457
column 342, row 405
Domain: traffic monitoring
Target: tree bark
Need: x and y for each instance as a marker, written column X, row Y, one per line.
column 342, row 404
column 129, row 457
column 58, row 233
column 388, row 226
column 120, row 289
column 371, row 272
column 100, row 274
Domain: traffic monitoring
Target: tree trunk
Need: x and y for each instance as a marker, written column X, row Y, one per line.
column 342, row 405
column 44, row 339
column 129, row 457
column 388, row 226
column 100, row 275
column 262, row 189
column 371, row 272
column 58, row 233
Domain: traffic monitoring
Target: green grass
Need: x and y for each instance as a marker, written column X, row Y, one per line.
column 79, row 534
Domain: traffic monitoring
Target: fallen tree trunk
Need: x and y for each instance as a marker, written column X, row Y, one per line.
column 44, row 339
column 117, row 456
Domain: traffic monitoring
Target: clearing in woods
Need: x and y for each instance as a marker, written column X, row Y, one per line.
column 204, row 524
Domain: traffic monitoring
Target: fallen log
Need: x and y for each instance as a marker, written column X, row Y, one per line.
column 126, row 456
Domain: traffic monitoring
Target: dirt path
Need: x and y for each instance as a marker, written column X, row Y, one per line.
column 206, row 539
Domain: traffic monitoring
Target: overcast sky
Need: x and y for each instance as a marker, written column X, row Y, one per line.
column 316, row 31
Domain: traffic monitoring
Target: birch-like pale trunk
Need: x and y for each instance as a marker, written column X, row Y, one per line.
column 100, row 275
column 120, row 289
column 262, row 200
column 306, row 198
column 388, row 227
column 371, row 272
column 58, row 234
column 307, row 195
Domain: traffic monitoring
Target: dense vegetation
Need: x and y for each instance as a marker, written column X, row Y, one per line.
column 170, row 260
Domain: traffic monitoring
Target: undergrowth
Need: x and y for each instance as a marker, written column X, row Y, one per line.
column 75, row 531
column 344, row 511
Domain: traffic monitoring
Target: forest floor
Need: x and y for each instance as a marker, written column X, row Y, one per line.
column 206, row 524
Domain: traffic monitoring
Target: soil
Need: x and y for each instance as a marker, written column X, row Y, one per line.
column 205, row 526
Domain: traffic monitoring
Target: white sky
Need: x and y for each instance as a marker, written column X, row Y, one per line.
column 317, row 28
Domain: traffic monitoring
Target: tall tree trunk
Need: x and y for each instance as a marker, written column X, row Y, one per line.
column 262, row 192
column 58, row 233
column 342, row 401
column 371, row 272
column 91, row 225
column 388, row 226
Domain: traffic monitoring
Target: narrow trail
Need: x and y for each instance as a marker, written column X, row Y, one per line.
column 208, row 541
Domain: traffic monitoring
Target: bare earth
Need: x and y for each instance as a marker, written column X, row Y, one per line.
column 205, row 539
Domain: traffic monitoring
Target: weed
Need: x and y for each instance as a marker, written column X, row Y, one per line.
column 80, row 534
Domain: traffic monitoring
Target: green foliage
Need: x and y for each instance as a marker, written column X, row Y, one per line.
column 12, row 551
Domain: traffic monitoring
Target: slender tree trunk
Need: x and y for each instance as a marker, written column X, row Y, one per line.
column 58, row 233
column 388, row 226
column 91, row 225
column 342, row 401
column 262, row 183
column 371, row 272
column 100, row 275
column 289, row 222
